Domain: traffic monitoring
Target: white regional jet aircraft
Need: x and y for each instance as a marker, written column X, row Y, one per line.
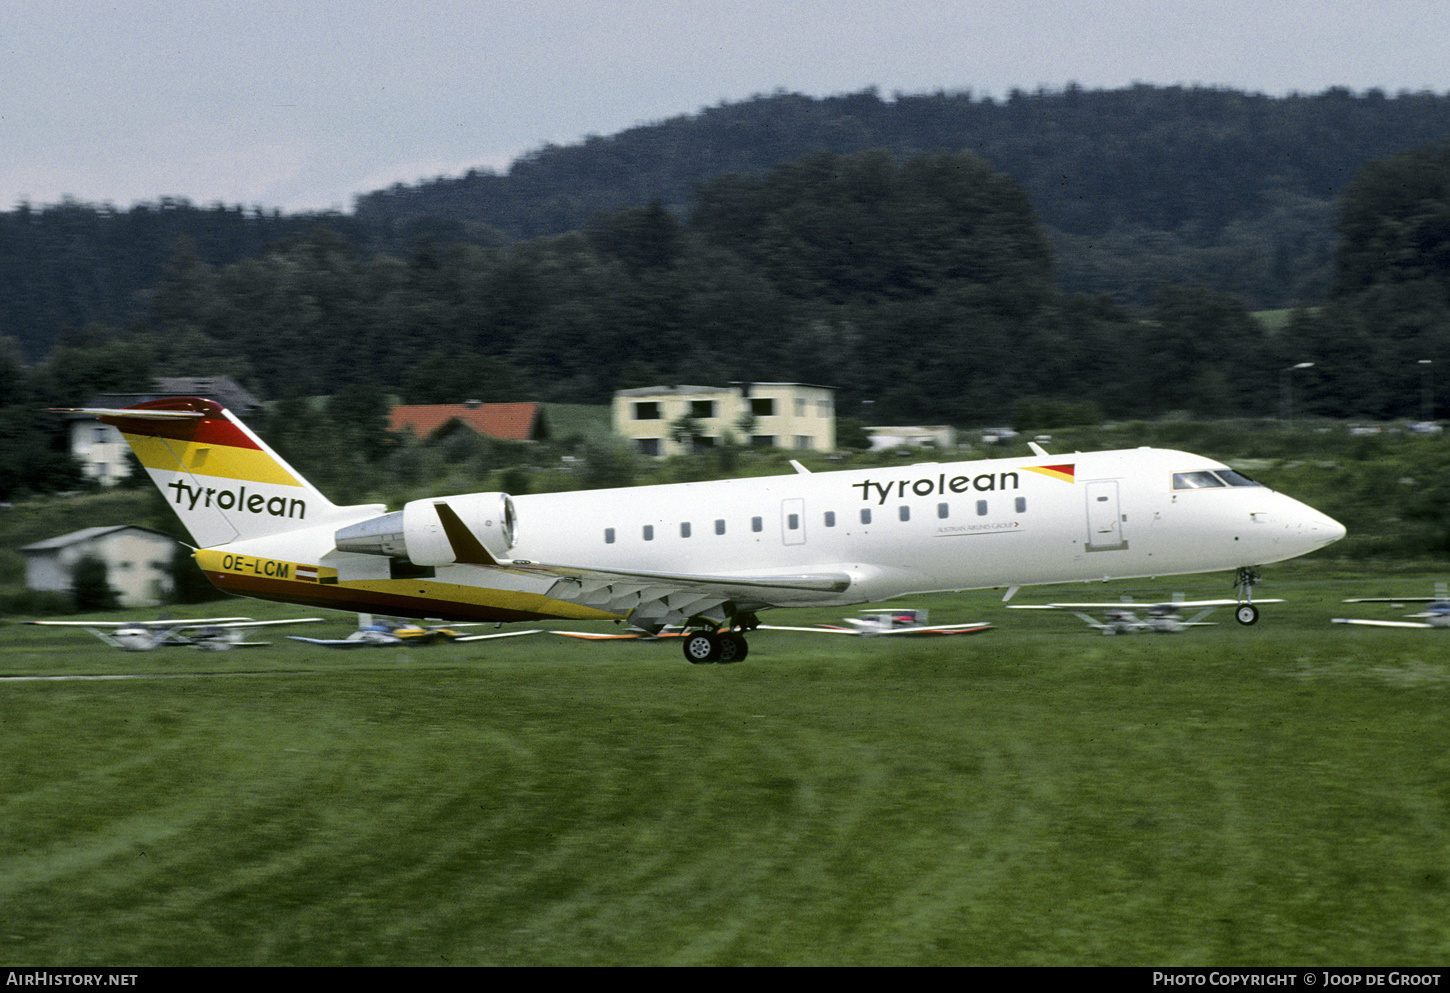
column 708, row 555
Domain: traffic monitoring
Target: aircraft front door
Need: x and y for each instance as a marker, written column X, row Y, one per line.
column 793, row 522
column 1104, row 517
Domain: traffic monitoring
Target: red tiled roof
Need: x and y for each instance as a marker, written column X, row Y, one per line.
column 506, row 421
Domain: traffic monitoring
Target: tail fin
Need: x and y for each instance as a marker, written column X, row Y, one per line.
column 221, row 479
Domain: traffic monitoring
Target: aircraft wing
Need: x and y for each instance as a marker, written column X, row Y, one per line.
column 1394, row 599
column 238, row 622
column 822, row 629
column 1138, row 605
column 649, row 599
column 1379, row 624
column 937, row 629
column 974, row 628
column 504, row 634
column 176, row 624
column 334, row 642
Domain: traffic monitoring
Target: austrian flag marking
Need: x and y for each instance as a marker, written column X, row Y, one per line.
column 1062, row 472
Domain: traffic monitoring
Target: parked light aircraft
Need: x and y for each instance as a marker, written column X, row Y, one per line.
column 899, row 621
column 1157, row 618
column 1436, row 615
column 214, row 634
column 709, row 555
column 383, row 632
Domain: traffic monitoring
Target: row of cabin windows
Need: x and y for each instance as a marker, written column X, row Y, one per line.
column 793, row 521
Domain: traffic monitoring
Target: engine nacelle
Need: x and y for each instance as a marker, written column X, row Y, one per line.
column 420, row 534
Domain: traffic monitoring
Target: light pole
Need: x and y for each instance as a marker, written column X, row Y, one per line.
column 1427, row 403
column 1286, row 400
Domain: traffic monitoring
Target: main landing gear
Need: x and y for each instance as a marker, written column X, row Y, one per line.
column 1246, row 613
column 711, row 644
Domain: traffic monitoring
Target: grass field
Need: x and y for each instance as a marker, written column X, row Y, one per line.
column 1034, row 795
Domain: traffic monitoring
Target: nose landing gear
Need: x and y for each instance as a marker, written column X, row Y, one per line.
column 1245, row 581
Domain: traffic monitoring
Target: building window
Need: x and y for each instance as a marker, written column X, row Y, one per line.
column 702, row 408
column 648, row 446
column 649, row 411
column 649, row 532
column 800, row 406
column 762, row 440
column 803, row 441
column 609, row 536
column 762, row 406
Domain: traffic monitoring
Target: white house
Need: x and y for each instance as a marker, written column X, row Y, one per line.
column 138, row 561
column 779, row 415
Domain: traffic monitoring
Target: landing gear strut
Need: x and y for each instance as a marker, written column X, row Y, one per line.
column 1246, row 613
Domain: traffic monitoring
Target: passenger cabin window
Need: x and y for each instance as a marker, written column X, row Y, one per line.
column 793, row 521
column 720, row 527
column 649, row 532
column 685, row 530
column 905, row 513
column 942, row 510
column 1021, row 505
column 609, row 536
column 865, row 515
column 757, row 524
column 830, row 518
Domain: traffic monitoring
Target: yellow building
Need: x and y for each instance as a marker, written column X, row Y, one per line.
column 780, row 415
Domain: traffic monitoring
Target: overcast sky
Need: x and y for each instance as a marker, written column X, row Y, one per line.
column 302, row 105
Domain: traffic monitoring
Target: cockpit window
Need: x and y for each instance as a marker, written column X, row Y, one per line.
column 1203, row 479
column 1195, row 480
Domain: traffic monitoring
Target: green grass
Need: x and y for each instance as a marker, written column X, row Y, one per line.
column 1034, row 795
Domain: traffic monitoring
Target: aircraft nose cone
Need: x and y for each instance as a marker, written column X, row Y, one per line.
column 1322, row 529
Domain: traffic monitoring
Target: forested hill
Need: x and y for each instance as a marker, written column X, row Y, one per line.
column 1136, row 187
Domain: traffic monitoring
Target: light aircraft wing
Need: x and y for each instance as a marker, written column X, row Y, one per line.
column 936, row 629
column 177, row 624
column 821, row 629
column 334, row 642
column 1394, row 599
column 1121, row 605
column 1379, row 624
column 503, row 634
